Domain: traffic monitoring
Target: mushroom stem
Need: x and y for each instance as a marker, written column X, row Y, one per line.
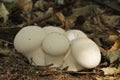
column 37, row 57
column 70, row 62
column 57, row 61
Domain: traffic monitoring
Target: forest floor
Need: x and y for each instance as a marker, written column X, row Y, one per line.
column 100, row 21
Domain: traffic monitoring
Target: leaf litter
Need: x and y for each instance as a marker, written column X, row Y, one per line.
column 100, row 23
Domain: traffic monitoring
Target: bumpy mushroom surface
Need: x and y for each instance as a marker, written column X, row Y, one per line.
column 28, row 41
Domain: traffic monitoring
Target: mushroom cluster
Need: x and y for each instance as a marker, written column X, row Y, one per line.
column 54, row 45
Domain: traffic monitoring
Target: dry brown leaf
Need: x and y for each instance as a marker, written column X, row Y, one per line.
column 87, row 10
column 118, row 31
column 25, row 5
column 4, row 51
column 83, row 11
column 110, row 20
column 61, row 18
column 3, row 12
column 39, row 4
column 69, row 22
column 40, row 16
column 115, row 46
column 99, row 78
column 114, row 56
column 113, row 38
column 104, row 52
column 111, row 78
column 111, row 70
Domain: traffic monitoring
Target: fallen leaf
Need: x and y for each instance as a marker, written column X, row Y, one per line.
column 115, row 46
column 3, row 12
column 111, row 70
column 110, row 20
column 114, row 56
column 4, row 51
column 39, row 4
column 113, row 38
column 61, row 18
column 25, row 5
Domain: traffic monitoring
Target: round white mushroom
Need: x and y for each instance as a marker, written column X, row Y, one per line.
column 28, row 41
column 50, row 29
column 86, row 52
column 69, row 60
column 74, row 34
column 55, row 45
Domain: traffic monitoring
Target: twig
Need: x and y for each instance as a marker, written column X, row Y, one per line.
column 6, row 41
column 79, row 73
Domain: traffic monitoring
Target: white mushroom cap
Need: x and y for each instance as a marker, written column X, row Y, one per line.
column 85, row 52
column 28, row 39
column 74, row 34
column 55, row 44
column 28, row 42
column 50, row 29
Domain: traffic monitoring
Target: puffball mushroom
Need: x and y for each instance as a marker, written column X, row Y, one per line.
column 50, row 29
column 55, row 45
column 69, row 60
column 85, row 52
column 74, row 34
column 28, row 41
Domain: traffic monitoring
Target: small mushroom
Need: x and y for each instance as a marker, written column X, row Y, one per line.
column 55, row 45
column 84, row 54
column 28, row 42
column 50, row 29
column 74, row 34
column 69, row 60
